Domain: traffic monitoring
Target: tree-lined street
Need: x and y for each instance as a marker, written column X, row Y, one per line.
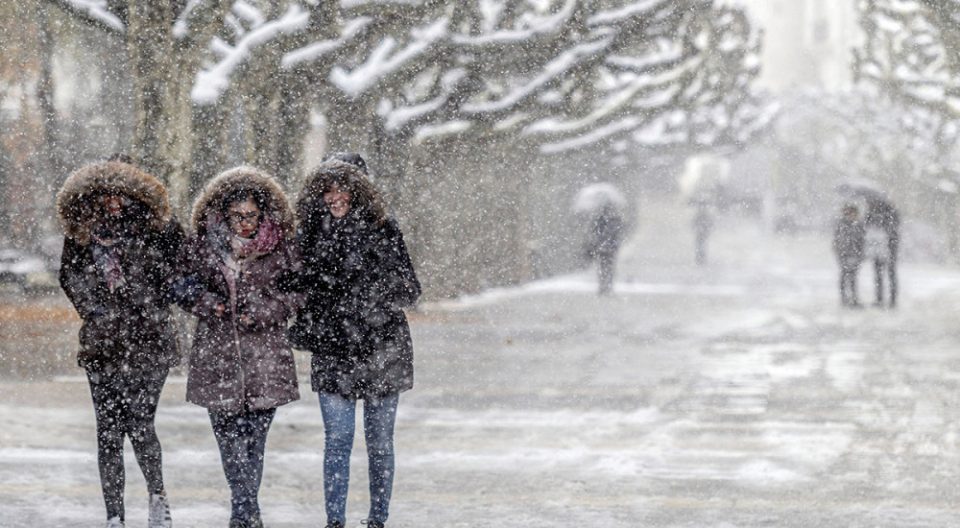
column 737, row 395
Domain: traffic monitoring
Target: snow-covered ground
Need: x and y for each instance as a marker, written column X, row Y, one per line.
column 735, row 395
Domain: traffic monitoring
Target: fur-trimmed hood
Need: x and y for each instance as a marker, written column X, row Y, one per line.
column 366, row 203
column 75, row 201
column 236, row 179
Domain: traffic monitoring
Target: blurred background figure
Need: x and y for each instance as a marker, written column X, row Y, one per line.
column 881, row 224
column 883, row 221
column 702, row 226
column 603, row 205
column 848, row 241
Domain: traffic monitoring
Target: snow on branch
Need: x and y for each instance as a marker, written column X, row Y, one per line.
column 551, row 71
column 211, row 83
column 397, row 118
column 93, row 11
column 593, row 136
column 660, row 89
column 664, row 58
column 381, row 63
column 181, row 28
column 616, row 16
column 544, row 26
column 251, row 14
column 444, row 129
column 324, row 48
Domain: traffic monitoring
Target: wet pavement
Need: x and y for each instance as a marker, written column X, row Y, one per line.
column 734, row 395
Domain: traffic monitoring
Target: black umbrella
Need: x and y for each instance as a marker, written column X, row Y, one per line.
column 862, row 188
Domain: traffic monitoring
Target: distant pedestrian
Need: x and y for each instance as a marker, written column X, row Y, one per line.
column 241, row 366
column 119, row 255
column 603, row 243
column 357, row 277
column 848, row 245
column 883, row 219
column 702, row 227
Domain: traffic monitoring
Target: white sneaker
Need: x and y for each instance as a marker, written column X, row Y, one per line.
column 159, row 516
column 114, row 522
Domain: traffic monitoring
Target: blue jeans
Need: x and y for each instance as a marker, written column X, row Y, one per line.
column 242, row 438
column 379, row 416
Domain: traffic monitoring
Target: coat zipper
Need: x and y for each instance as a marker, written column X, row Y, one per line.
column 236, row 337
column 234, row 320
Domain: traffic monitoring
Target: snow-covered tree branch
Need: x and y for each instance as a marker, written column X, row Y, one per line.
column 565, row 73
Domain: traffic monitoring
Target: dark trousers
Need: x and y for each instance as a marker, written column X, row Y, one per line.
column 125, row 404
column 848, row 286
column 885, row 267
column 701, row 249
column 605, row 267
column 242, row 438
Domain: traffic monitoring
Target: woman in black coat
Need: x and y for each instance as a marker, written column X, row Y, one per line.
column 357, row 278
column 119, row 250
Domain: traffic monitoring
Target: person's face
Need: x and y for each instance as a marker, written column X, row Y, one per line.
column 244, row 218
column 338, row 201
column 851, row 214
column 112, row 204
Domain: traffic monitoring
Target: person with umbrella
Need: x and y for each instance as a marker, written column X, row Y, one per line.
column 848, row 240
column 883, row 216
column 883, row 219
column 603, row 203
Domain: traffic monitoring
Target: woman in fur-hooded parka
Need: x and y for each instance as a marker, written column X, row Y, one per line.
column 357, row 277
column 117, row 264
column 240, row 357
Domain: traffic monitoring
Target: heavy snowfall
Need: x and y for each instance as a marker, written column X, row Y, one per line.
column 668, row 263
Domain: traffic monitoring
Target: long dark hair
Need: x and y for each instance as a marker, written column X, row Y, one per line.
column 365, row 201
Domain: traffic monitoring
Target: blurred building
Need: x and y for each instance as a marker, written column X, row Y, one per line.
column 807, row 43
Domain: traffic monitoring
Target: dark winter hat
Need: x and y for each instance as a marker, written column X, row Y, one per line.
column 349, row 157
column 122, row 158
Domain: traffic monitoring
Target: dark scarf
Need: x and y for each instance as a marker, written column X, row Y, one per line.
column 108, row 255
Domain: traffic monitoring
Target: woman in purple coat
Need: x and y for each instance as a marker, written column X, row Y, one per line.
column 241, row 366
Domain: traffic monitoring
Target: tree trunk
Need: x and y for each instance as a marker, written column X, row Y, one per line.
column 149, row 45
column 293, row 123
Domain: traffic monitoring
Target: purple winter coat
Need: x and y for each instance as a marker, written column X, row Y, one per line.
column 232, row 366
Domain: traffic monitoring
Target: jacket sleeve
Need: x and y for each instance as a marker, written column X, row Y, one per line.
column 310, row 271
column 171, row 247
column 396, row 279
column 300, row 276
column 187, row 289
column 75, row 281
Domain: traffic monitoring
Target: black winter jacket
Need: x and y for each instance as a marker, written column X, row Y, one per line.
column 357, row 278
column 130, row 326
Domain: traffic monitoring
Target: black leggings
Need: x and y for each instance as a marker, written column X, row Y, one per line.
column 125, row 404
column 242, row 439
